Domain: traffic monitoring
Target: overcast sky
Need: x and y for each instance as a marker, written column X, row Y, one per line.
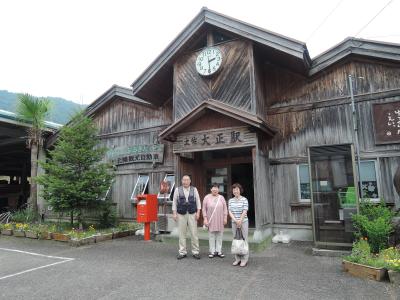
column 78, row 49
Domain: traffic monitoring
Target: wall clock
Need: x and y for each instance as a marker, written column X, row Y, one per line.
column 208, row 61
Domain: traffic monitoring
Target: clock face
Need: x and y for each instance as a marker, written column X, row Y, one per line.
column 209, row 61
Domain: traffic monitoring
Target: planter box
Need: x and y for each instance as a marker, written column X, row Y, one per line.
column 31, row 234
column 364, row 271
column 45, row 235
column 104, row 237
column 394, row 277
column 121, row 234
column 81, row 242
column 19, row 233
column 7, row 231
column 61, row 237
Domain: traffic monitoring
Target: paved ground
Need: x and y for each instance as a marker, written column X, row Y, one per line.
column 132, row 269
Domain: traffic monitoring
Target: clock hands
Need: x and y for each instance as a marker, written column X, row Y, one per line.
column 209, row 67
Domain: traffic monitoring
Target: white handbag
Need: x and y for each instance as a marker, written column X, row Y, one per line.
column 239, row 244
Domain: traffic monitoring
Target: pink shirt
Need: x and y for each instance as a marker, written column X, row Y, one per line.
column 221, row 212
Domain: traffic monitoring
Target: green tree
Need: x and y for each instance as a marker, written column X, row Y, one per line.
column 33, row 110
column 76, row 178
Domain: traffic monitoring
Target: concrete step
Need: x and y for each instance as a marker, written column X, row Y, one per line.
column 255, row 246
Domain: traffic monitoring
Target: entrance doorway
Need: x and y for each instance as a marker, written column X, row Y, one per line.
column 225, row 167
column 333, row 193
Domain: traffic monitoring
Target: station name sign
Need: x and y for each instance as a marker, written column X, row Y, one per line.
column 386, row 122
column 136, row 154
column 214, row 139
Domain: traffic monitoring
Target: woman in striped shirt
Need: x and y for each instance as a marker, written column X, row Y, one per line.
column 238, row 207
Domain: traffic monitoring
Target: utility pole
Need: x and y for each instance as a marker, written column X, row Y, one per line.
column 355, row 128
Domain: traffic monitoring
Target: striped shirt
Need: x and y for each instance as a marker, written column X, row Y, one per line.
column 237, row 206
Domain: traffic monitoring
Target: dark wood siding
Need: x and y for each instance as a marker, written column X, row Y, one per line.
column 232, row 84
column 123, row 123
column 318, row 112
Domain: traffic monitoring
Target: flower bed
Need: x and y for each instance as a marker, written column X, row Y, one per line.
column 62, row 232
column 362, row 263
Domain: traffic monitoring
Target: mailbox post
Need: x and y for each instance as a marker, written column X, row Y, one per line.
column 147, row 212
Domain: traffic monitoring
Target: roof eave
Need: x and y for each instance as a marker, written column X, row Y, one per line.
column 243, row 116
column 353, row 46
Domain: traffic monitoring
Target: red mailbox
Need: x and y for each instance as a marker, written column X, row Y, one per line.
column 147, row 211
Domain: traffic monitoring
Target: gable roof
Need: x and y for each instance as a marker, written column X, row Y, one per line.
column 114, row 92
column 155, row 84
column 219, row 107
column 355, row 46
column 152, row 80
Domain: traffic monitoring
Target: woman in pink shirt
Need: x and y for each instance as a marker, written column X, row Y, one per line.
column 215, row 214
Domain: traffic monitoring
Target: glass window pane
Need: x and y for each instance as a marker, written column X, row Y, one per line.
column 170, row 178
column 369, row 183
column 304, row 178
column 140, row 186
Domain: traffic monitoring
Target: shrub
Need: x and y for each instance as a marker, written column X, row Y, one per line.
column 24, row 216
column 374, row 222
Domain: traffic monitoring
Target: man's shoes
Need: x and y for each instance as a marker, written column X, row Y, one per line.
column 196, row 256
column 180, row 256
column 211, row 255
column 220, row 255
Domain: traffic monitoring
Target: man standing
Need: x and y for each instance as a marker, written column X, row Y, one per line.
column 186, row 210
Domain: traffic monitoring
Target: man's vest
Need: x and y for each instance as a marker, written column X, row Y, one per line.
column 184, row 206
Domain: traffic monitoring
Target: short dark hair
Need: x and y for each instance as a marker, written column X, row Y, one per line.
column 239, row 186
column 215, row 185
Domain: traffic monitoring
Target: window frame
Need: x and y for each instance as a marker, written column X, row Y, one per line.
column 378, row 181
column 133, row 197
column 298, row 183
column 172, row 188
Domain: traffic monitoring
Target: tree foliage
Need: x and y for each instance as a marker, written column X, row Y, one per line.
column 76, row 178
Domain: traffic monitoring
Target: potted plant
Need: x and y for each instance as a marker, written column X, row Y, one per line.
column 392, row 260
column 45, row 231
column 362, row 263
column 20, row 229
column 32, row 232
column 7, row 229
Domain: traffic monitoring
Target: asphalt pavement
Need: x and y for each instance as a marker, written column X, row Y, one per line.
column 130, row 268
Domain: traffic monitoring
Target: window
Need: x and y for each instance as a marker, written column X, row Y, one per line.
column 140, row 186
column 369, row 181
column 368, row 175
column 171, row 180
column 304, row 183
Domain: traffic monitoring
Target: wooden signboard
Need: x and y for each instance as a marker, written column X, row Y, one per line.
column 214, row 139
column 136, row 154
column 386, row 122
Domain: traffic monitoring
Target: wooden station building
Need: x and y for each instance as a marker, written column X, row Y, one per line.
column 229, row 102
